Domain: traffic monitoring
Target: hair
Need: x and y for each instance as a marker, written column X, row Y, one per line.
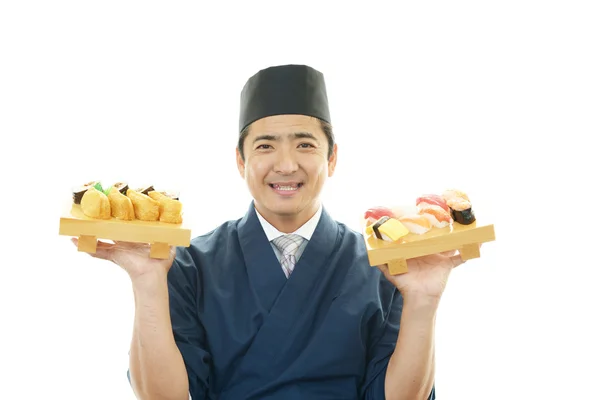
column 325, row 126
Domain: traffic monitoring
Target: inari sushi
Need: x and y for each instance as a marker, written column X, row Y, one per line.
column 95, row 204
column 389, row 229
column 169, row 208
column 79, row 191
column 460, row 206
column 121, row 206
column 145, row 207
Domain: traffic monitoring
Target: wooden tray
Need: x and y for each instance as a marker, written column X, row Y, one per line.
column 464, row 238
column 160, row 235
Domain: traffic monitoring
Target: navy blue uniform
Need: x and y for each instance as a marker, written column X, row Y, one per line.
column 247, row 332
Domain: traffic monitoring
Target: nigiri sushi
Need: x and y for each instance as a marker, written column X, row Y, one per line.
column 434, row 222
column 378, row 212
column 460, row 206
column 433, row 199
column 388, row 229
column 416, row 223
column 373, row 214
column 439, row 217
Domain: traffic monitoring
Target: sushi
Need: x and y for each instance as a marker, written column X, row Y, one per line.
column 460, row 206
column 169, row 208
column 439, row 217
column 170, row 194
column 416, row 223
column 95, row 204
column 121, row 187
column 433, row 199
column 79, row 191
column 454, row 194
column 463, row 217
column 403, row 210
column 144, row 189
column 121, row 206
column 373, row 214
column 388, row 229
column 144, row 206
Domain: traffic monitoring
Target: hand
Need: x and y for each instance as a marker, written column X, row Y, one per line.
column 134, row 258
column 427, row 276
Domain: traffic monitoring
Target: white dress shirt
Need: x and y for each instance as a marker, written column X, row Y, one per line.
column 306, row 231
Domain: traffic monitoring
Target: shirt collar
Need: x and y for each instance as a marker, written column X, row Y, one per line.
column 306, row 230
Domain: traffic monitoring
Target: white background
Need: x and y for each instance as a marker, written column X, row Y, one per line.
column 500, row 99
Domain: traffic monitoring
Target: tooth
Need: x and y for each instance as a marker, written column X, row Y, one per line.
column 286, row 187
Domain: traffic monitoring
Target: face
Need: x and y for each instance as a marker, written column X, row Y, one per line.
column 286, row 166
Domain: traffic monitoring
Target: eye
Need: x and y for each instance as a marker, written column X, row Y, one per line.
column 263, row 146
column 307, row 144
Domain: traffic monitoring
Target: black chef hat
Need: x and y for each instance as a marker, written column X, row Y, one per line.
column 284, row 89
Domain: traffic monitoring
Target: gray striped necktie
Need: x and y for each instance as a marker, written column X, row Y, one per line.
column 288, row 245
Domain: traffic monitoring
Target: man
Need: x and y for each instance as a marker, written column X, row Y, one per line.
column 282, row 303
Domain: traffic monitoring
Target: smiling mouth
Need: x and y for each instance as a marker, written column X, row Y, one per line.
column 286, row 187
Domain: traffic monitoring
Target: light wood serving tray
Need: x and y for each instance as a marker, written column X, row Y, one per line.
column 160, row 235
column 464, row 238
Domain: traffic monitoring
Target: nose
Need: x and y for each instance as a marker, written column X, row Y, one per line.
column 285, row 163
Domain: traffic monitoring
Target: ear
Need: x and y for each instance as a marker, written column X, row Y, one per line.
column 240, row 163
column 333, row 160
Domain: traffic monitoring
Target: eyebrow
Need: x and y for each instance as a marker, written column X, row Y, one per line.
column 295, row 135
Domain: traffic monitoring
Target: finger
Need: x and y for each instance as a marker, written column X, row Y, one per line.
column 449, row 253
column 75, row 241
column 384, row 270
column 132, row 245
column 103, row 254
column 456, row 260
column 104, row 251
column 125, row 244
column 99, row 244
column 382, row 267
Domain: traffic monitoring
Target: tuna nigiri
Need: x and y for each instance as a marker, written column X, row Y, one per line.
column 373, row 214
column 433, row 199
